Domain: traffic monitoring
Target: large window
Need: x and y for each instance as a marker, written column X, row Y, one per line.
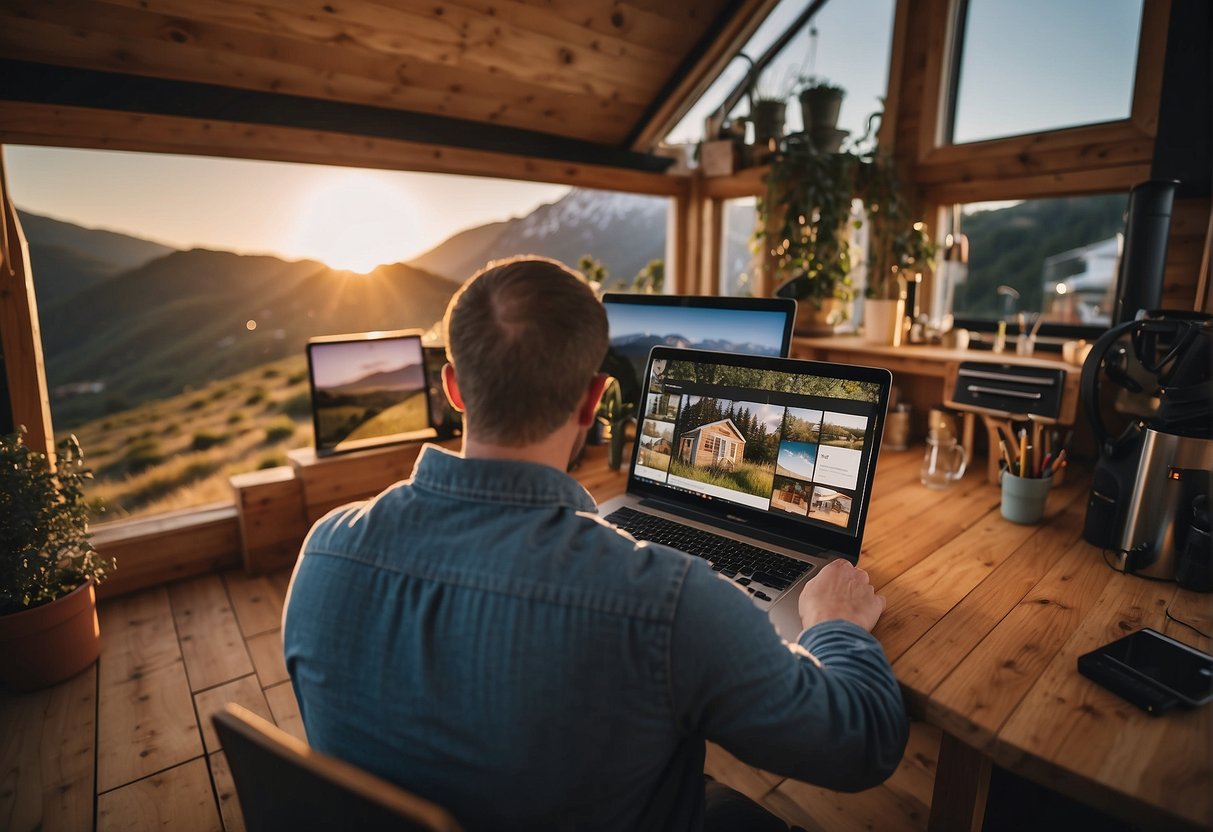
column 847, row 42
column 174, row 341
column 1057, row 257
column 1027, row 66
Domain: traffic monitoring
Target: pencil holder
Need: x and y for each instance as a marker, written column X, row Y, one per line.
column 1023, row 498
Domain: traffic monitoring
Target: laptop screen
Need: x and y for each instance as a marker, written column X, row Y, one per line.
column 778, row 445
column 761, row 326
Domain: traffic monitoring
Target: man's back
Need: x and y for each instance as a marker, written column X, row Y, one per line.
column 481, row 638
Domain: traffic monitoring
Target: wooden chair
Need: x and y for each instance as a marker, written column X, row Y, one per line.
column 285, row 785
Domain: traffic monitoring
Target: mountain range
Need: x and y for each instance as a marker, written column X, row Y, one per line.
column 125, row 320
column 623, row 231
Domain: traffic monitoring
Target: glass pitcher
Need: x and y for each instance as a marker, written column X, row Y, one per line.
column 944, row 462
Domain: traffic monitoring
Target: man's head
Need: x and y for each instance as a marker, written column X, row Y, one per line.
column 525, row 337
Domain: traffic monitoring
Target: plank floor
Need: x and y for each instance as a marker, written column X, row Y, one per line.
column 128, row 744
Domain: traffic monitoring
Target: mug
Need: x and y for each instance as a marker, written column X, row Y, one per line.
column 944, row 463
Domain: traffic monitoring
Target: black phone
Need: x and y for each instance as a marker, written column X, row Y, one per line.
column 1151, row 670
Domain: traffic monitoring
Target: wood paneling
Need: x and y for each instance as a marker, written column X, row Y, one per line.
column 245, row 692
column 168, row 547
column 179, row 799
column 286, row 709
column 145, row 714
column 47, row 752
column 58, row 126
column 211, row 643
column 269, row 505
column 581, row 70
column 225, row 792
column 257, row 602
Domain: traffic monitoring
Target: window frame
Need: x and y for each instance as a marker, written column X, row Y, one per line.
column 1109, row 157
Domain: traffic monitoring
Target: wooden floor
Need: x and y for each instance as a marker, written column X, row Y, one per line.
column 127, row 745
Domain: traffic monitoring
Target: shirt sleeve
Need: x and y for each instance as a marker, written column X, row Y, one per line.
column 826, row 710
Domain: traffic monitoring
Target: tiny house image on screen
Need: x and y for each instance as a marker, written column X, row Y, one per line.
column 368, row 390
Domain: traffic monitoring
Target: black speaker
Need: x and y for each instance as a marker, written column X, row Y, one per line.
column 1148, row 224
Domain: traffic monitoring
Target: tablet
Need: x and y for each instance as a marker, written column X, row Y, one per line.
column 1161, row 663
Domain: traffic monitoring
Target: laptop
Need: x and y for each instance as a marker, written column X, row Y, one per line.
column 761, row 465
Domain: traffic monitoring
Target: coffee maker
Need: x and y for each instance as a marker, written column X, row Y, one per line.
column 1150, row 490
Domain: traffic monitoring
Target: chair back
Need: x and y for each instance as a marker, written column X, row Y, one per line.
column 283, row 784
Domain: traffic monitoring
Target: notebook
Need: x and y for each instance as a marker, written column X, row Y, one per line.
column 763, row 466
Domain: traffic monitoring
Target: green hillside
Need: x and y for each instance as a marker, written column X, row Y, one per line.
column 192, row 317
column 1009, row 246
column 180, row 451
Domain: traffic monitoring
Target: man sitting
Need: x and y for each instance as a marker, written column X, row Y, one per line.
column 480, row 636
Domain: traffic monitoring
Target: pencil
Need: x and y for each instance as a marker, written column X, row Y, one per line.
column 1006, row 455
column 1023, row 452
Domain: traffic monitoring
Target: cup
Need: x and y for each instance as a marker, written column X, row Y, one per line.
column 897, row 429
column 944, row 462
column 1023, row 498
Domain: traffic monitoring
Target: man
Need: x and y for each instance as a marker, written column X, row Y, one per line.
column 480, row 636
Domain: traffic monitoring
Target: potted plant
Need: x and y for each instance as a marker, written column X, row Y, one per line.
column 48, row 568
column 616, row 411
column 804, row 225
column 897, row 248
column 820, row 103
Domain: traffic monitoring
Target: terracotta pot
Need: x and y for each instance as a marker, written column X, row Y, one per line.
column 52, row 642
column 882, row 321
column 811, row 321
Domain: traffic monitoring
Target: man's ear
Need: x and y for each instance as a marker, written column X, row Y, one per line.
column 451, row 386
column 593, row 395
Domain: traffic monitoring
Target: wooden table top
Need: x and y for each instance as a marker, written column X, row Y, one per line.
column 984, row 625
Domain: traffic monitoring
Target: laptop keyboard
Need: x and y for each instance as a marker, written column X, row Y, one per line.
column 741, row 562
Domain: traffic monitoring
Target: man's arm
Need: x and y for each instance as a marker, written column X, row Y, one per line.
column 827, row 711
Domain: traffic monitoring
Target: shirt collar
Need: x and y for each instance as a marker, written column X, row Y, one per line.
column 502, row 481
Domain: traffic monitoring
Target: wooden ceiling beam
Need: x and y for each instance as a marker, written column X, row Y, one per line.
column 44, row 84
column 718, row 45
column 85, row 127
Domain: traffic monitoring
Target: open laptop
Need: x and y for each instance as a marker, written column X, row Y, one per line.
column 761, row 465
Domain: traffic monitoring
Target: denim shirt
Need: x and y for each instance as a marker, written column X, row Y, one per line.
column 480, row 636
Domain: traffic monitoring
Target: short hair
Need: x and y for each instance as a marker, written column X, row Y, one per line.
column 525, row 336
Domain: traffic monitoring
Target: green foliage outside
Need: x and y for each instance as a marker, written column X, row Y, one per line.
column 773, row 381
column 206, row 439
column 1009, row 246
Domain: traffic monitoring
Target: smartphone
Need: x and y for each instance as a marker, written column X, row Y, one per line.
column 1151, row 670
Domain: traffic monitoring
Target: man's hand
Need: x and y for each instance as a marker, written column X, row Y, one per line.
column 840, row 591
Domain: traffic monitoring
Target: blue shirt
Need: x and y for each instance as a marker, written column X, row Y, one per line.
column 482, row 637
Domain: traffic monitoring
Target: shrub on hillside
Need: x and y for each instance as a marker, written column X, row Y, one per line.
column 256, row 397
column 142, row 454
column 279, row 431
column 205, row 439
column 298, row 406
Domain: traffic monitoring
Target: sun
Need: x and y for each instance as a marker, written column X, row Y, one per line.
column 356, row 221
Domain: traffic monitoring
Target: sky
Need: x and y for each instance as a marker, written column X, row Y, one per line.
column 346, row 217
column 698, row 325
column 1073, row 64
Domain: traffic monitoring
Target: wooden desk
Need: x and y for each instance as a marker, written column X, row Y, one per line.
column 984, row 625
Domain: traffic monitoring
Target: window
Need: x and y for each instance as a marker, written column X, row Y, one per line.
column 851, row 49
column 1027, row 66
column 737, row 255
column 174, row 342
column 1052, row 256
